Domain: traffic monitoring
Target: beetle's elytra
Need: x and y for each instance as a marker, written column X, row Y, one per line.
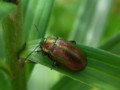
column 64, row 53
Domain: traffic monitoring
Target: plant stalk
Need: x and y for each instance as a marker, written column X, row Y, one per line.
column 14, row 43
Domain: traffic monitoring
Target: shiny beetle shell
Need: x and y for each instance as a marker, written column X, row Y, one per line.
column 64, row 53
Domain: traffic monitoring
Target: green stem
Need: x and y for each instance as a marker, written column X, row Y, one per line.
column 14, row 42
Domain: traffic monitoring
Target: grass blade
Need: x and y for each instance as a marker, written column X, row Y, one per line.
column 90, row 23
column 113, row 45
column 41, row 11
column 101, row 69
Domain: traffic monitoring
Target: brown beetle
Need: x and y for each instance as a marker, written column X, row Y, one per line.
column 64, row 53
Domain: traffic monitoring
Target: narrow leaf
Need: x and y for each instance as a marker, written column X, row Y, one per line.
column 103, row 67
column 40, row 10
column 91, row 21
column 113, row 45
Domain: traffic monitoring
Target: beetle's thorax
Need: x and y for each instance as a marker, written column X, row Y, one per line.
column 47, row 44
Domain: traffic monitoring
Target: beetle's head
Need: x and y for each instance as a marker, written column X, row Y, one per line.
column 46, row 44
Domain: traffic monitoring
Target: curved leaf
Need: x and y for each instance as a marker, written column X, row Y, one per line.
column 113, row 46
column 103, row 67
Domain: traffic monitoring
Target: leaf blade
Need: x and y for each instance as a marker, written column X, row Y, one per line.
column 92, row 70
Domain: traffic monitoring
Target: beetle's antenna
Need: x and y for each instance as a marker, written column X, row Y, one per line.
column 38, row 30
column 35, row 47
column 31, row 52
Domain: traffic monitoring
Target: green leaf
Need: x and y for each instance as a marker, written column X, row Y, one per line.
column 4, row 81
column 66, row 83
column 90, row 22
column 102, row 71
column 6, row 8
column 40, row 11
column 113, row 45
column 42, row 78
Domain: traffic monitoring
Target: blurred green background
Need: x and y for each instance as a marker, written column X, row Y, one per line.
column 88, row 22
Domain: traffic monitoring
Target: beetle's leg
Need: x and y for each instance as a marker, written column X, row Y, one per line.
column 54, row 65
column 28, row 61
column 74, row 42
column 31, row 52
column 40, row 51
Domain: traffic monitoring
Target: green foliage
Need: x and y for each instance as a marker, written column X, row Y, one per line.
column 113, row 45
column 92, row 27
column 4, row 81
column 63, row 16
column 6, row 8
column 102, row 67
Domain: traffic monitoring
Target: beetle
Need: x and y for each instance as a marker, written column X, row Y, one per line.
column 64, row 53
